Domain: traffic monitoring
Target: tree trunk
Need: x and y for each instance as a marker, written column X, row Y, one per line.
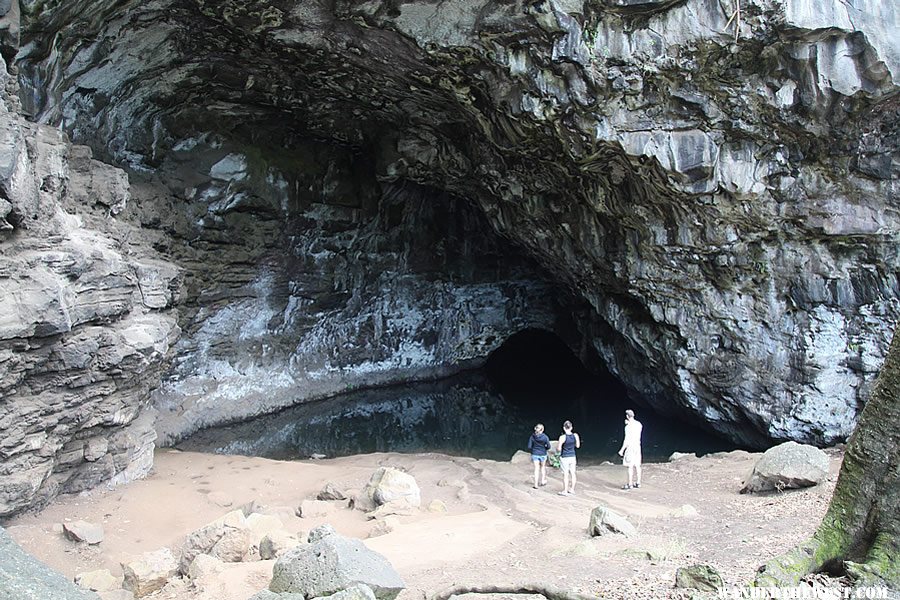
column 860, row 534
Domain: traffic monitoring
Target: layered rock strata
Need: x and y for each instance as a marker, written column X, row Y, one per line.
column 719, row 186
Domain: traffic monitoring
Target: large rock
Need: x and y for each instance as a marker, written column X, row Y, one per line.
column 788, row 465
column 389, row 485
column 227, row 538
column 98, row 581
column 276, row 543
column 355, row 592
column 605, row 520
column 699, row 577
column 23, row 577
column 333, row 563
column 150, row 572
column 82, row 531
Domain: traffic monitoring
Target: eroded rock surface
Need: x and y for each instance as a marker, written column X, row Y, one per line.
column 335, row 195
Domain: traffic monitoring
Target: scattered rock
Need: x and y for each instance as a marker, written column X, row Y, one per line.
column 604, row 520
column 686, row 511
column 276, row 543
column 310, row 509
column 384, row 526
column 203, row 540
column 317, row 456
column 698, row 577
column 203, row 566
column 389, row 485
column 356, row 592
column 331, row 492
column 232, row 546
column 396, row 507
column 322, row 531
column 150, row 572
column 261, row 525
column 82, row 531
column 520, row 458
column 116, row 595
column 98, row 581
column 679, row 455
column 331, row 564
column 437, row 506
column 788, row 465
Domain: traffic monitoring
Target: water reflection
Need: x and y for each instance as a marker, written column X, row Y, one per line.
column 458, row 416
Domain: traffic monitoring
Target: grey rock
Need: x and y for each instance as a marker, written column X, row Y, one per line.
column 331, row 492
column 788, row 465
column 268, row 595
column 698, row 577
column 82, row 531
column 23, row 577
column 276, row 543
column 605, row 520
column 320, row 532
column 331, row 564
column 354, row 592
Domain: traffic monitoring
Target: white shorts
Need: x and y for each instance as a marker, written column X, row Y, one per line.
column 567, row 464
column 632, row 457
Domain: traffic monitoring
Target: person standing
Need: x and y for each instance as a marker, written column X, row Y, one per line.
column 538, row 444
column 568, row 442
column 631, row 450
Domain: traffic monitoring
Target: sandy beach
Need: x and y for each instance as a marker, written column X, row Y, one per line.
column 490, row 526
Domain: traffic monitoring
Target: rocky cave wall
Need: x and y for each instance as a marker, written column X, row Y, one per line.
column 722, row 193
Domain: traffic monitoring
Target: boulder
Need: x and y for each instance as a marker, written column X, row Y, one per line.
column 395, row 507
column 389, row 485
column 98, row 581
column 332, row 563
column 604, row 520
column 149, row 573
column 276, row 543
column 788, row 465
column 437, row 506
column 262, row 525
column 520, row 458
column 331, row 492
column 679, row 455
column 82, row 531
column 698, row 577
column 322, row 531
column 203, row 540
column 355, row 592
column 232, row 546
column 204, row 566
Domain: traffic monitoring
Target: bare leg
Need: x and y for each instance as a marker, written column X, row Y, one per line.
column 544, row 472
column 637, row 468
column 630, row 475
column 574, row 480
column 537, row 472
column 565, row 481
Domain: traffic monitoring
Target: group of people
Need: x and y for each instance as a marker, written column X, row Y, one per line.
column 569, row 442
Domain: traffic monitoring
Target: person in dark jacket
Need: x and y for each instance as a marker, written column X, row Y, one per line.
column 538, row 444
column 568, row 442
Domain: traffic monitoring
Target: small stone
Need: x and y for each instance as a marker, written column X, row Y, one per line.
column 82, row 531
column 331, row 492
column 698, row 577
column 686, row 511
column 384, row 526
column 317, row 456
column 437, row 506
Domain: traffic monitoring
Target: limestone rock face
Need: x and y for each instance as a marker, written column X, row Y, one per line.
column 788, row 465
column 383, row 194
column 722, row 194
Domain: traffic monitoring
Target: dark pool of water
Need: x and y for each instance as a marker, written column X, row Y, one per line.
column 463, row 415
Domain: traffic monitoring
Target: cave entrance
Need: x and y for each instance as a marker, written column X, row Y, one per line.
column 489, row 412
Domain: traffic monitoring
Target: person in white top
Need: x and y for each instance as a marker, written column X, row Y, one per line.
column 631, row 450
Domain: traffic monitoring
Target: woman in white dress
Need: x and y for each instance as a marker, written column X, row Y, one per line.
column 631, row 450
